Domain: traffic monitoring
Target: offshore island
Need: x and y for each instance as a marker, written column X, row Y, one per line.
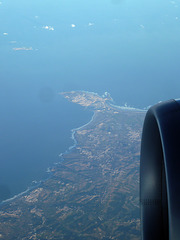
column 94, row 192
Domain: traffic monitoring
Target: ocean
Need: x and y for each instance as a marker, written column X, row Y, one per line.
column 130, row 49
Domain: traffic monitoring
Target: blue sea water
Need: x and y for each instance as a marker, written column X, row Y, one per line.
column 128, row 48
column 34, row 131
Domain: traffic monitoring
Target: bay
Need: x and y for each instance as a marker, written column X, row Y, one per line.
column 35, row 127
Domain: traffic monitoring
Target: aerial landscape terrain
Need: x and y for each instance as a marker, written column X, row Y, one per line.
column 93, row 193
column 69, row 150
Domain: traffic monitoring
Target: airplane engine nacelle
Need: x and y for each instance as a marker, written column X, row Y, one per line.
column 160, row 172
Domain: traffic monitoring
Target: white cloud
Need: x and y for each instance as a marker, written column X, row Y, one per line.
column 23, row 49
column 73, row 25
column 90, row 24
column 174, row 3
column 5, row 34
column 48, row 28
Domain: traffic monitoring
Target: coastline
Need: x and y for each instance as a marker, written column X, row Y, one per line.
column 127, row 108
column 88, row 185
column 29, row 189
column 73, row 132
column 51, row 169
column 79, row 128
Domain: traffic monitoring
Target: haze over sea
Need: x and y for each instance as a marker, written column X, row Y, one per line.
column 129, row 48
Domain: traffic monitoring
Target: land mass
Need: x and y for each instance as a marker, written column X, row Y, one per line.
column 94, row 192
